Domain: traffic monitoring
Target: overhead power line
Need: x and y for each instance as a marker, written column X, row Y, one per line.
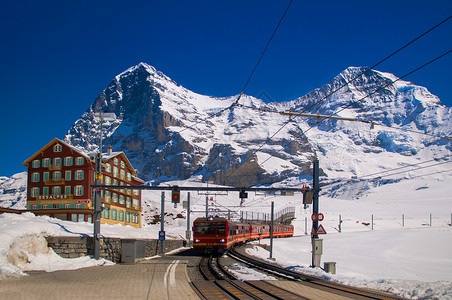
column 377, row 64
column 322, row 118
column 219, row 113
column 404, row 167
column 378, row 175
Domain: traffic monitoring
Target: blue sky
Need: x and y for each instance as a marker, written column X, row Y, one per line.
column 57, row 56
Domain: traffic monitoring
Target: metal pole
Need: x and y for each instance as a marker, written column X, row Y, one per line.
column 162, row 220
column 207, row 207
column 315, row 198
column 340, row 223
column 188, row 234
column 271, row 229
column 315, row 211
column 306, row 225
column 430, row 220
column 97, row 196
column 372, row 222
column 403, row 220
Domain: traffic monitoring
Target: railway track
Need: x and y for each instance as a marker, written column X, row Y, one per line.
column 219, row 284
column 310, row 281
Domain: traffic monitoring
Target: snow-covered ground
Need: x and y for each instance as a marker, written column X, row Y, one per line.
column 414, row 260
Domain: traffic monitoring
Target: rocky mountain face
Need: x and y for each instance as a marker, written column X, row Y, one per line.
column 169, row 132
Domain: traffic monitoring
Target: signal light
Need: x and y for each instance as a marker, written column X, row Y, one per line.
column 307, row 197
column 175, row 195
column 243, row 194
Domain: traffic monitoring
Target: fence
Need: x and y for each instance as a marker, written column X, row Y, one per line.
column 283, row 216
column 376, row 222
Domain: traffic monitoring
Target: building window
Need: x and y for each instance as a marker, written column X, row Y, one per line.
column 35, row 177
column 79, row 161
column 74, row 217
column 113, row 214
column 114, row 196
column 46, row 162
column 123, row 165
column 121, row 199
column 57, row 162
column 46, row 176
column 127, row 217
column 123, row 174
column 115, row 161
column 90, row 219
column 67, row 190
column 57, row 175
column 78, row 190
column 36, row 163
column 121, row 215
column 128, row 202
column 107, row 180
column 56, row 190
column 34, row 192
column 68, row 161
column 81, row 217
column 108, row 168
column 45, row 190
column 115, row 172
column 107, row 196
column 79, row 175
column 106, row 212
column 67, row 175
column 129, row 176
column 136, row 203
column 57, row 148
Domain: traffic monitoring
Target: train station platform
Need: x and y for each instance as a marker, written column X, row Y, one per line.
column 153, row 279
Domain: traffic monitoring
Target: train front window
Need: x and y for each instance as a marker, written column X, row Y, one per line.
column 205, row 228
column 221, row 227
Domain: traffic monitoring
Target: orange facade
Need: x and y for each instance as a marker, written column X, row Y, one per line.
column 59, row 185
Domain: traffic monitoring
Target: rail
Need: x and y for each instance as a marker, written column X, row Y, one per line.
column 316, row 282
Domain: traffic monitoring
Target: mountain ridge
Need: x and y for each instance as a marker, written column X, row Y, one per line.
column 171, row 133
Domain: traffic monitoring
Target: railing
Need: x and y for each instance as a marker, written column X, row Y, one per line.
column 282, row 216
column 54, row 181
column 54, row 167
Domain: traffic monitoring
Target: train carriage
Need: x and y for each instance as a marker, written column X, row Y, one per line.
column 219, row 234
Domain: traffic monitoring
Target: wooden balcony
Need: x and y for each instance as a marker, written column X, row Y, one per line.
column 54, row 181
column 54, row 167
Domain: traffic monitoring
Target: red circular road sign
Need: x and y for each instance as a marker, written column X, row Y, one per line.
column 318, row 217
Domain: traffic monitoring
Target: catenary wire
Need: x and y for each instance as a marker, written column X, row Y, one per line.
column 395, row 169
column 357, row 101
column 377, row 64
column 219, row 113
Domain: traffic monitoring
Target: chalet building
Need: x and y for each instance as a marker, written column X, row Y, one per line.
column 59, row 185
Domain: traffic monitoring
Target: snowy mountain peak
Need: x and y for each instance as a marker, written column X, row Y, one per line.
column 169, row 132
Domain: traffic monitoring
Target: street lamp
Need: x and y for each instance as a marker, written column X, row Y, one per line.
column 101, row 117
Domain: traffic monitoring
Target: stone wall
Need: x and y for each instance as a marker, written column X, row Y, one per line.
column 111, row 248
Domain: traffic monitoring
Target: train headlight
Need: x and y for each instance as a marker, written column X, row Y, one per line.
column 197, row 241
column 222, row 240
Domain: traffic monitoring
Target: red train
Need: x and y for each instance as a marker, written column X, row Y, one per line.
column 219, row 234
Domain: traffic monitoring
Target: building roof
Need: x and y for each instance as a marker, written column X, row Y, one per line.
column 88, row 155
column 82, row 153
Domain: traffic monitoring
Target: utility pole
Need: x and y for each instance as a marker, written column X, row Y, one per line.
column 97, row 203
column 188, row 232
column 101, row 117
column 317, row 244
column 162, row 222
column 271, row 230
